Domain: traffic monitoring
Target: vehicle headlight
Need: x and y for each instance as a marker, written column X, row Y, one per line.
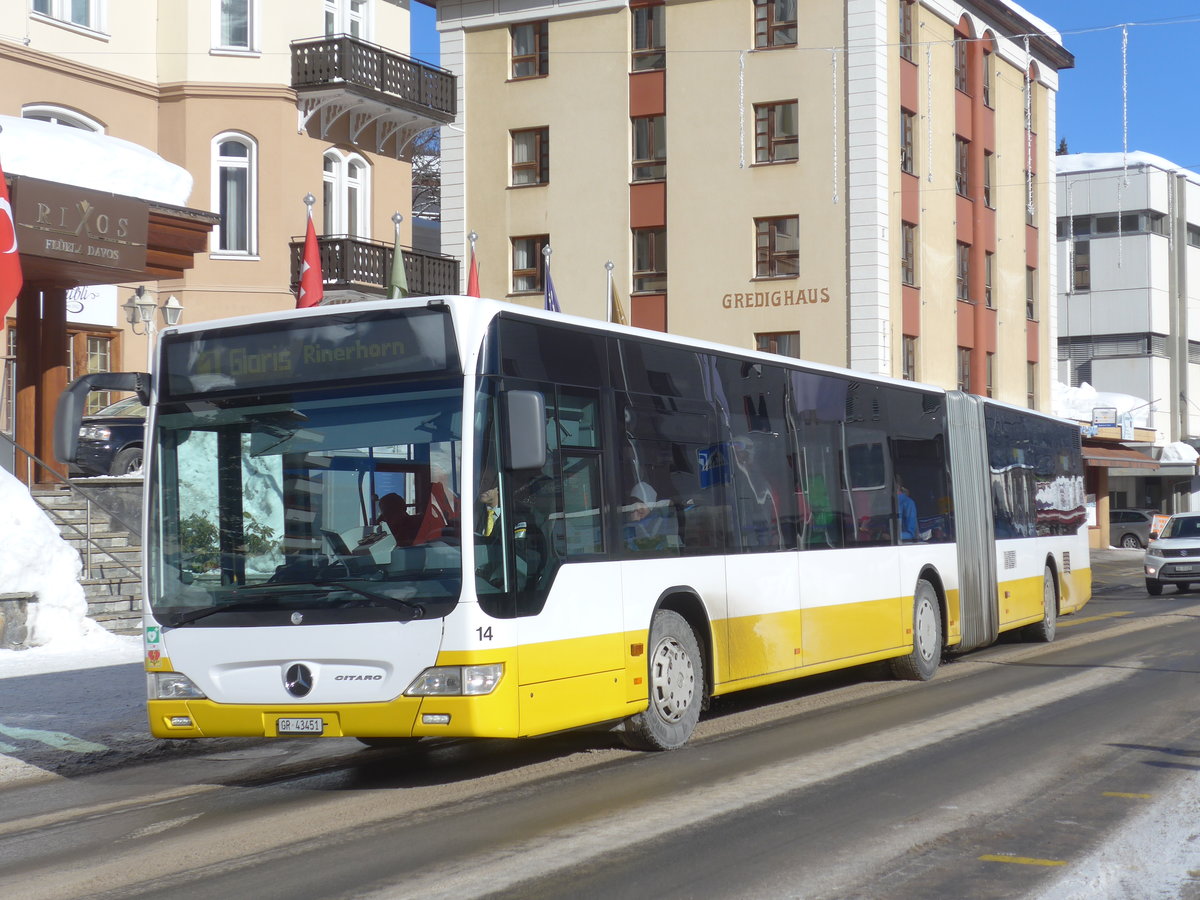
column 171, row 686
column 95, row 433
column 456, row 681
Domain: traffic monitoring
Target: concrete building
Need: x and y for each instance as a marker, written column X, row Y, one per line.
column 856, row 182
column 261, row 102
column 1129, row 309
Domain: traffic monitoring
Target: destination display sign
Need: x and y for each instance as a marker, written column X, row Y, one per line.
column 336, row 348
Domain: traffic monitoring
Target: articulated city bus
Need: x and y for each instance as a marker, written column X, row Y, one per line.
column 459, row 517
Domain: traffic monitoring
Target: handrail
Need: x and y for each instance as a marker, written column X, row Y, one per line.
column 90, row 498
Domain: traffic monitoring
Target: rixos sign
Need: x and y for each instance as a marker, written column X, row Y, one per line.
column 61, row 221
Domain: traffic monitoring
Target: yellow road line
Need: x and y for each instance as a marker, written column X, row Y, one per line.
column 1023, row 860
column 1071, row 620
column 1126, row 796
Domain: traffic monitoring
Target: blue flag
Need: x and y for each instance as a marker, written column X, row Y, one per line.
column 551, row 296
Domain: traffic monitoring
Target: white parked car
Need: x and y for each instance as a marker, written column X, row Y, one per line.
column 1173, row 556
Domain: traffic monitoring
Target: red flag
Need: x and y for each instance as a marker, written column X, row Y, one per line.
column 10, row 259
column 312, row 285
column 473, row 277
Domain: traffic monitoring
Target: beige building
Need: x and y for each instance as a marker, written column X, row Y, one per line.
column 262, row 102
column 866, row 183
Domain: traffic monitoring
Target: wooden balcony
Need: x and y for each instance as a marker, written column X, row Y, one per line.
column 355, row 268
column 397, row 97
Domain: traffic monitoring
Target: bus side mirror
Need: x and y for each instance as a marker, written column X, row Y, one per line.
column 525, row 415
column 68, row 415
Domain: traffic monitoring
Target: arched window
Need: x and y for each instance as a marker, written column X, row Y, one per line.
column 347, row 195
column 58, row 115
column 235, row 193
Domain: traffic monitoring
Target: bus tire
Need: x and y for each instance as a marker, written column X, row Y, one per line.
column 926, row 656
column 675, row 682
column 1153, row 587
column 1044, row 631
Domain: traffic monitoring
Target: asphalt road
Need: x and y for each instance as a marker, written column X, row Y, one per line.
column 1007, row 770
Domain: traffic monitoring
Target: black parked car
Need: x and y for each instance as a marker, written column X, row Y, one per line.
column 110, row 442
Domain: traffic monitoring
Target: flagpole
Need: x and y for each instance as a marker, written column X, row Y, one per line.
column 608, row 267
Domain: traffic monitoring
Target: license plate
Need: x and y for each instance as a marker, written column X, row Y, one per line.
column 300, row 726
column 1183, row 568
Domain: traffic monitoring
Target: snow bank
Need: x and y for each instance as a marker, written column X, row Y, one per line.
column 34, row 558
column 86, row 159
column 1077, row 403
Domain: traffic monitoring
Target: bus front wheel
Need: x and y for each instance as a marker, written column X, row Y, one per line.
column 926, row 656
column 676, row 685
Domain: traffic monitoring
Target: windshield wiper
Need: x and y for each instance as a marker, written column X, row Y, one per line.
column 412, row 609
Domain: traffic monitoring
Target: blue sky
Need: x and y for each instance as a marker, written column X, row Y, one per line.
column 1162, row 100
column 1162, row 105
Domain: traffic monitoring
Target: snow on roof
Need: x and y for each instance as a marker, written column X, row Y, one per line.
column 86, row 159
column 1077, row 403
column 1095, row 162
column 1033, row 20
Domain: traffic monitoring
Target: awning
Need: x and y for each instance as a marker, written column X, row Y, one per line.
column 1118, row 457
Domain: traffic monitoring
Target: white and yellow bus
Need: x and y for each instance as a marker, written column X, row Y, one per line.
column 459, row 517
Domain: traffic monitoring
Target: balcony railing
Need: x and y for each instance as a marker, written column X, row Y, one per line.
column 347, row 62
column 357, row 265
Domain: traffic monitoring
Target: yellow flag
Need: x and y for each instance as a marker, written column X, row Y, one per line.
column 617, row 313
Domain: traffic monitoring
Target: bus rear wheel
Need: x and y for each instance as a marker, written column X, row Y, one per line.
column 1044, row 630
column 676, row 685
column 926, row 656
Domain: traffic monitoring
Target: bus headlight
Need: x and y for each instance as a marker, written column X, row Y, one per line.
column 171, row 686
column 456, row 681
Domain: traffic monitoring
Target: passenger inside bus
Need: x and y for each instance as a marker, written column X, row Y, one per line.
column 393, row 512
column 649, row 524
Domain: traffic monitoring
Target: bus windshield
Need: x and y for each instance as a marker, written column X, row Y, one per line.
column 331, row 506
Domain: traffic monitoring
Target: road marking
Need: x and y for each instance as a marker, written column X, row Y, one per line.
column 1127, row 796
column 1066, row 623
column 1022, row 860
column 59, row 740
column 549, row 851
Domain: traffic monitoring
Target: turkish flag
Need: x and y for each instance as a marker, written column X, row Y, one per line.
column 473, row 277
column 10, row 259
column 312, row 285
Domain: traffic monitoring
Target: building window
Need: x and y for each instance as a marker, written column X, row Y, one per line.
column 347, row 194
column 1193, row 235
column 1031, row 385
column 649, row 148
column 649, row 37
column 964, row 369
column 784, row 343
column 530, row 49
column 777, row 247
column 776, row 137
column 99, row 358
column 989, row 259
column 908, row 142
column 527, row 263
column 963, row 287
column 235, row 190
column 962, row 166
column 989, row 361
column 987, row 78
column 1081, row 267
column 352, row 17
column 649, row 260
column 234, row 25
column 84, row 13
column 960, row 65
column 1031, row 277
column 909, row 358
column 908, row 253
column 530, row 156
column 989, row 174
column 774, row 23
column 906, row 29
column 56, row 115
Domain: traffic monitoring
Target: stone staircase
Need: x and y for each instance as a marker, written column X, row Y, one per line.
column 113, row 591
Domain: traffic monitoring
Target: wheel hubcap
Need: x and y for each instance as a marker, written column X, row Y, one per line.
column 926, row 628
column 673, row 680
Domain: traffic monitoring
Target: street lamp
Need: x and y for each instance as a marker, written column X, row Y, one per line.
column 139, row 310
